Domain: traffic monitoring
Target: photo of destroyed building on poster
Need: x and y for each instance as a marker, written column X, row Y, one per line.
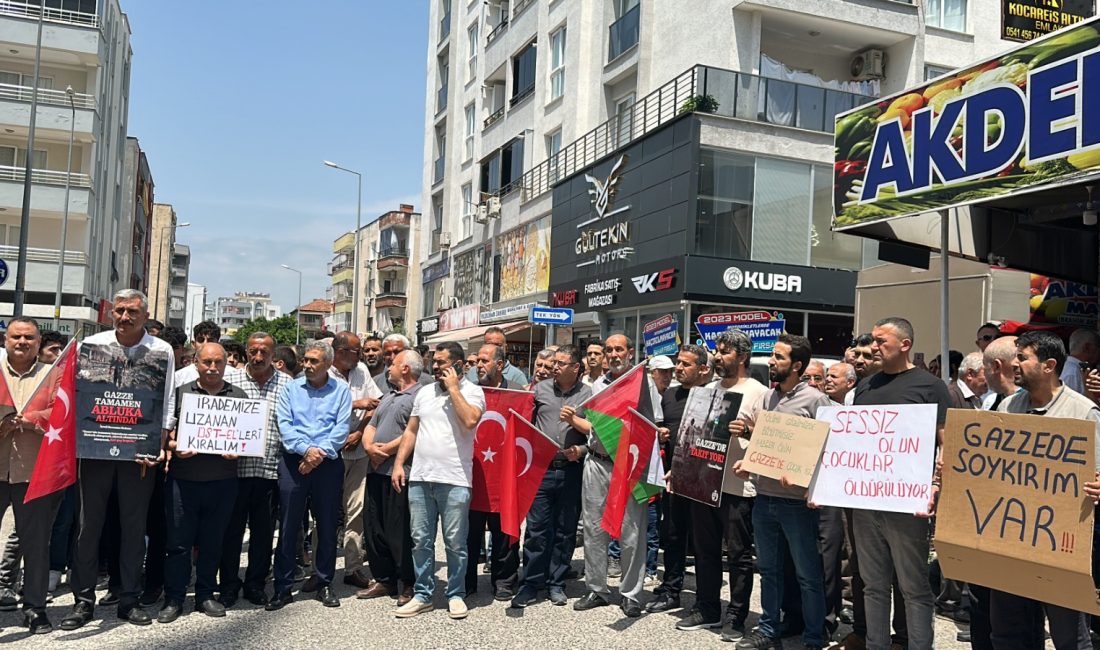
column 120, row 402
column 699, row 460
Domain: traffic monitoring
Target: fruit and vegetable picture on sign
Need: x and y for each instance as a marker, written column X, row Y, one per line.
column 1017, row 123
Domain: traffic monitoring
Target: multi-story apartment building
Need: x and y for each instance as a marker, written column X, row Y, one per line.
column 136, row 219
column 85, row 47
column 162, row 244
column 597, row 155
column 230, row 313
column 389, row 285
column 313, row 318
column 177, row 286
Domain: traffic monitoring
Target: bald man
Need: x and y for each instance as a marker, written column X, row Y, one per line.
column 200, row 492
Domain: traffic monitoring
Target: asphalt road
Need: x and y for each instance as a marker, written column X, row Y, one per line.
column 306, row 624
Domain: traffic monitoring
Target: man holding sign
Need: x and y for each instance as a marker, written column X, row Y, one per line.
column 780, row 513
column 200, row 493
column 892, row 541
column 1040, row 357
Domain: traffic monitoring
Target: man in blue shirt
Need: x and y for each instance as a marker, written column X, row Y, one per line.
column 314, row 413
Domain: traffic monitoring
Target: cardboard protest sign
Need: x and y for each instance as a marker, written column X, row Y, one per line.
column 210, row 424
column 785, row 445
column 119, row 402
column 699, row 454
column 877, row 457
column 1013, row 514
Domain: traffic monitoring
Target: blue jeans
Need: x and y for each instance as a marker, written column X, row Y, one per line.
column 775, row 520
column 428, row 504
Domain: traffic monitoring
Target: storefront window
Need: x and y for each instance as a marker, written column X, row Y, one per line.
column 725, row 211
column 830, row 334
column 431, row 298
column 625, row 323
column 830, row 249
column 781, row 212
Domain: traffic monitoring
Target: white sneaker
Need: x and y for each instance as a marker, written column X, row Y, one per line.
column 457, row 608
column 55, row 581
column 412, row 608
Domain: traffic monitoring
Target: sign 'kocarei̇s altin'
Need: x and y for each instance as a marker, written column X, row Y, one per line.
column 1016, row 123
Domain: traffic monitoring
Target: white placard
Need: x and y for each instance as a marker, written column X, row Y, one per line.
column 877, row 457
column 210, row 424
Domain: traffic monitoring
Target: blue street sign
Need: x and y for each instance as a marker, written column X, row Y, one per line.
column 551, row 316
column 3, row 272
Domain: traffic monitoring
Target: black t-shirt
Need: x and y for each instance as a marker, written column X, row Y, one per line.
column 913, row 386
column 672, row 403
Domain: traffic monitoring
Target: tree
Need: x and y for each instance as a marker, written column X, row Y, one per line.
column 283, row 329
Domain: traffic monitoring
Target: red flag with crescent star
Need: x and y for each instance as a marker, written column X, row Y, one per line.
column 517, row 495
column 631, row 461
column 489, row 443
column 52, row 407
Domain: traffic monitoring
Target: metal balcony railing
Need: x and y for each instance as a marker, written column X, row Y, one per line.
column 44, row 176
column 700, row 89
column 501, row 27
column 399, row 251
column 51, row 14
column 46, row 96
column 494, row 117
column 44, row 255
column 624, row 33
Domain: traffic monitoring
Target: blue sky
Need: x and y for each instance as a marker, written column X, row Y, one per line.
column 236, row 105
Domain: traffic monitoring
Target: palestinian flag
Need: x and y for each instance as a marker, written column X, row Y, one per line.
column 609, row 413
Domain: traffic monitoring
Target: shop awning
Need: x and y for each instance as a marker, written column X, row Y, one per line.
column 1009, row 159
column 467, row 335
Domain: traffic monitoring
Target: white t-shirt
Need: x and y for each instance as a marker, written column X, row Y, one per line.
column 362, row 386
column 444, row 447
column 752, row 392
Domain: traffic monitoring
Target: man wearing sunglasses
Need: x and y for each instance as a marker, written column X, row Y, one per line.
column 986, row 334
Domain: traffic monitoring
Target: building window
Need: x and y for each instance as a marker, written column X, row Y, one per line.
column 523, row 73
column 9, row 235
column 624, row 116
column 557, row 64
column 828, row 249
column 933, row 71
column 946, row 14
column 503, row 167
column 471, row 125
column 441, row 94
column 782, row 203
column 17, row 157
column 553, row 147
column 471, row 52
column 724, row 219
column 468, row 208
column 19, row 79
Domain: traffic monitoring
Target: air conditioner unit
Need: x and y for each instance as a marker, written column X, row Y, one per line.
column 444, row 302
column 482, row 214
column 494, row 207
column 868, row 64
column 444, row 240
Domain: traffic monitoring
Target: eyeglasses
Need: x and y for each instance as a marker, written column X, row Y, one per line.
column 987, row 337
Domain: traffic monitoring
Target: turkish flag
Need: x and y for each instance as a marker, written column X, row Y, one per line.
column 517, row 495
column 631, row 461
column 54, row 401
column 489, row 444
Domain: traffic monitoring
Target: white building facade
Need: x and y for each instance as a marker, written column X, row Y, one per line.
column 526, row 98
column 86, row 46
column 231, row 312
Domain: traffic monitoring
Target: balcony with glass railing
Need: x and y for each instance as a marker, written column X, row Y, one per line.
column 700, row 89
column 624, row 33
column 52, row 12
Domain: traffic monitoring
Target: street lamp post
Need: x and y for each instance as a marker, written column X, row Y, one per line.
column 358, row 225
column 65, row 215
column 160, row 263
column 25, row 215
column 298, row 310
